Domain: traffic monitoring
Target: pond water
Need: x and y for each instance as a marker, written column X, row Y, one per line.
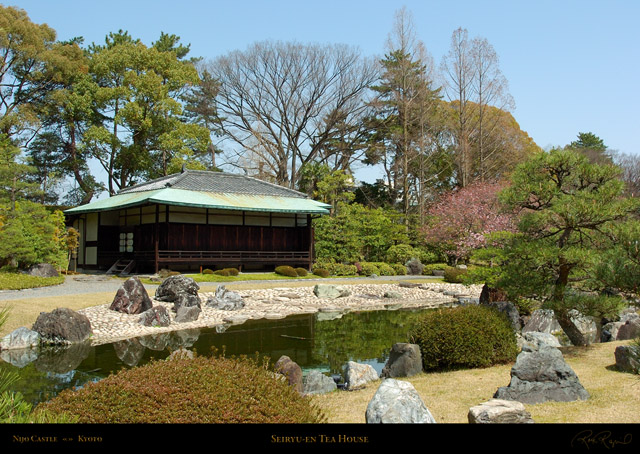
column 318, row 341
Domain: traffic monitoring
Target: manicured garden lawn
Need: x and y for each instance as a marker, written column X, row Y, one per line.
column 20, row 281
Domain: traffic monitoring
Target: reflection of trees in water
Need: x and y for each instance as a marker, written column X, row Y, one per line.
column 360, row 336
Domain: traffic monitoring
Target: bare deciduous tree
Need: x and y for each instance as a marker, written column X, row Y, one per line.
column 282, row 103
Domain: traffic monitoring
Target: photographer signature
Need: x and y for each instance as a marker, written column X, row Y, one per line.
column 588, row 438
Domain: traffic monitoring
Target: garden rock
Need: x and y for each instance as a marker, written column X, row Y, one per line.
column 393, row 295
column 491, row 295
column 404, row 360
column 544, row 321
column 43, row 270
column 629, row 330
column 318, row 383
column 131, row 298
column 290, row 369
column 628, row 358
column 19, row 339
column 397, row 402
column 172, row 286
column 330, row 291
column 62, row 326
column 186, row 314
column 510, row 311
column 532, row 341
column 357, row 375
column 186, row 300
column 156, row 316
column 540, row 376
column 225, row 300
column 499, row 411
column 414, row 267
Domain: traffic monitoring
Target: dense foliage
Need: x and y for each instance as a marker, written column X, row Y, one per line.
column 464, row 337
column 182, row 390
column 569, row 210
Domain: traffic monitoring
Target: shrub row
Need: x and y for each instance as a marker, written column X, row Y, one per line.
column 222, row 272
column 289, row 271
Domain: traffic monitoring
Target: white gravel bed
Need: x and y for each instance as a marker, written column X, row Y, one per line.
column 275, row 303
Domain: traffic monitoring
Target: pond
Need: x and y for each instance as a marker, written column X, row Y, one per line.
column 317, row 341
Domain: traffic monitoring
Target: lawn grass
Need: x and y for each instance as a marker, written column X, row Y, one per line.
column 614, row 396
column 21, row 281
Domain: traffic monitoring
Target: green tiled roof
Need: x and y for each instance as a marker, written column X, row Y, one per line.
column 210, row 190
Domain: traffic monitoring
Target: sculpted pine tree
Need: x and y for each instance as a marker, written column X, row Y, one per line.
column 566, row 205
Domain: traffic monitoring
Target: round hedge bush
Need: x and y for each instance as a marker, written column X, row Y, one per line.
column 321, row 272
column 286, row 270
column 183, row 390
column 464, row 337
column 301, row 272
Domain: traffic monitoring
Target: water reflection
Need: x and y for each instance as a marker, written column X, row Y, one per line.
column 317, row 341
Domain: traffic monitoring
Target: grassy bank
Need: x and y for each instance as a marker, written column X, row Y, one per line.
column 614, row 395
column 20, row 281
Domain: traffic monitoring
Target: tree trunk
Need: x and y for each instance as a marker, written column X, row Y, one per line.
column 570, row 329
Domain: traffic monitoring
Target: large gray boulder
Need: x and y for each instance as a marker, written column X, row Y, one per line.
column 397, row 401
column 43, row 270
column 19, row 339
column 629, row 330
column 540, row 376
column 498, row 411
column 330, row 291
column 356, row 375
column 628, row 358
column 184, row 300
column 404, row 360
column 156, row 316
column 544, row 321
column 315, row 382
column 131, row 298
column 225, row 300
column 173, row 286
column 62, row 326
column 186, row 314
column 291, row 370
column 533, row 340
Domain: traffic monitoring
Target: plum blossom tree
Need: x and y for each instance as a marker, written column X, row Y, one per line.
column 461, row 219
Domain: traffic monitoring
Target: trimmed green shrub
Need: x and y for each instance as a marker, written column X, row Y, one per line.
column 369, row 268
column 385, row 269
column 301, row 272
column 464, row 337
column 221, row 273
column 232, row 271
column 454, row 275
column 207, row 271
column 286, row 270
column 399, row 268
column 401, row 253
column 431, row 267
column 320, row 272
column 204, row 390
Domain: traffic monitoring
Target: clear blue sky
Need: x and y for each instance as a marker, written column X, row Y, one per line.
column 572, row 66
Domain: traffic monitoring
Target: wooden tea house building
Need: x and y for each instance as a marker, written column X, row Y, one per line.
column 196, row 219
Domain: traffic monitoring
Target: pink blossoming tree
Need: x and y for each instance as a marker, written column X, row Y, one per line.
column 461, row 218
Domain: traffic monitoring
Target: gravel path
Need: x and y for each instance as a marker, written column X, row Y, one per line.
column 73, row 285
column 96, row 283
